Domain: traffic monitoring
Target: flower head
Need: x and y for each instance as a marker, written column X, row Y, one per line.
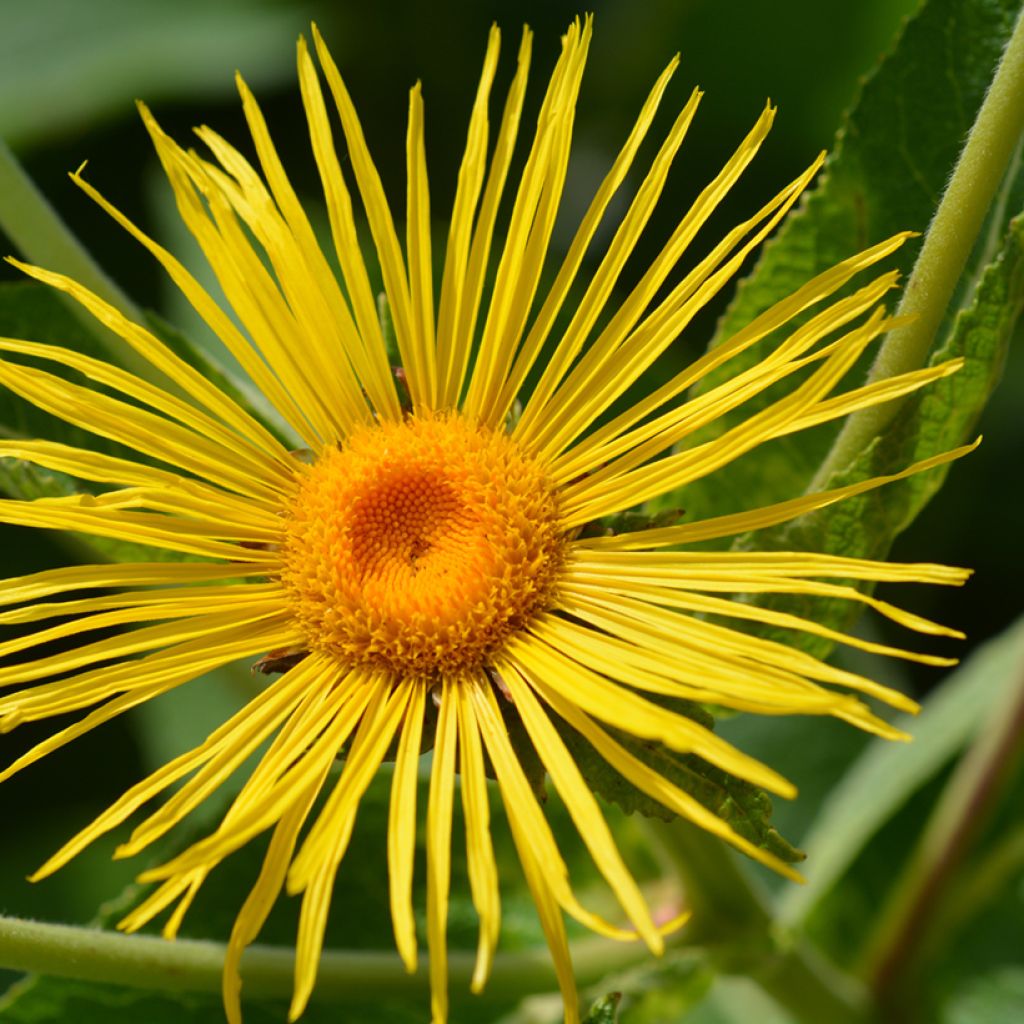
column 429, row 549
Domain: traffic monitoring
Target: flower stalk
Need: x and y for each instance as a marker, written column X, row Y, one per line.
column 731, row 919
column 189, row 965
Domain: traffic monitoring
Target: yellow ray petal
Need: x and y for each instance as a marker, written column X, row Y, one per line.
column 613, row 492
column 587, row 453
column 95, row 466
column 700, row 676
column 176, row 605
column 207, row 200
column 769, row 515
column 439, row 854
column 88, row 515
column 144, row 431
column 583, row 808
column 226, row 749
column 655, row 785
column 88, row 577
column 307, row 278
column 382, row 228
column 261, row 898
column 316, row 864
column 598, row 291
column 366, row 338
column 306, row 746
column 529, row 230
column 773, row 662
column 464, row 324
column 616, row 705
column 402, row 829
column 158, row 781
column 255, row 620
column 483, row 870
column 682, row 301
column 604, row 451
column 737, row 573
column 422, row 368
column 151, row 348
column 155, row 675
column 460, row 230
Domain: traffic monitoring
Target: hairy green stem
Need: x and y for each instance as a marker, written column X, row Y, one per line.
column 733, row 921
column 186, row 965
column 961, row 213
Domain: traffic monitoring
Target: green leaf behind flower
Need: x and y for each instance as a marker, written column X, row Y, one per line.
column 934, row 420
column 887, row 172
column 743, row 806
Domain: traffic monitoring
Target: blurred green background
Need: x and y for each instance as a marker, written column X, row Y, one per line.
column 69, row 73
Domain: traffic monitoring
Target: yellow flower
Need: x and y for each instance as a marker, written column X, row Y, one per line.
column 426, row 550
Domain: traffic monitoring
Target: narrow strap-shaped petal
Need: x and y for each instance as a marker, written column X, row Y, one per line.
column 89, row 465
column 316, row 864
column 368, row 337
column 768, row 515
column 529, row 230
column 460, row 229
column 301, row 263
column 583, row 808
column 612, row 493
column 611, row 442
column 439, row 844
column 616, row 705
column 591, row 304
column 216, row 319
column 175, row 604
column 540, row 872
column 67, row 579
column 483, row 870
column 463, row 328
column 521, row 804
column 766, row 660
column 260, row 901
column 371, row 190
column 306, row 744
column 253, row 623
column 422, row 371
column 85, row 515
column 155, row 675
column 630, row 311
column 615, row 362
column 139, row 429
column 654, row 784
column 402, row 828
column 156, row 352
column 157, row 782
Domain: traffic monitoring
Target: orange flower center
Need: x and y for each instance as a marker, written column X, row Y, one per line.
column 420, row 546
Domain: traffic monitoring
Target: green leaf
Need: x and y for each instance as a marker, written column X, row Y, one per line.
column 605, row 1010
column 994, row 998
column 63, row 63
column 934, row 420
column 886, row 775
column 886, row 173
column 35, row 312
column 745, row 807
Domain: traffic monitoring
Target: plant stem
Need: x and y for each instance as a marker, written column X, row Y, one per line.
column 732, row 919
column 187, row 965
column 958, row 220
column 899, row 943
